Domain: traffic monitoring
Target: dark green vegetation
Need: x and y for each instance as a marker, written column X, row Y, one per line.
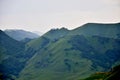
column 13, row 56
column 63, row 54
column 114, row 74
column 9, row 48
column 20, row 34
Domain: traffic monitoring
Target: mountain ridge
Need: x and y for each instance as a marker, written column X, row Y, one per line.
column 19, row 34
column 98, row 29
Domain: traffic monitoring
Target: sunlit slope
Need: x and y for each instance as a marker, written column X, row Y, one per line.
column 113, row 74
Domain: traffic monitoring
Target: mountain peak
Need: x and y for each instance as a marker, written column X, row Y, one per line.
column 56, row 33
column 58, row 29
column 63, row 28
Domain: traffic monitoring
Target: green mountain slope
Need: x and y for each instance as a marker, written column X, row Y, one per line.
column 20, row 34
column 55, row 34
column 111, row 75
column 77, row 54
column 7, row 43
column 9, row 48
column 13, row 56
column 98, row 29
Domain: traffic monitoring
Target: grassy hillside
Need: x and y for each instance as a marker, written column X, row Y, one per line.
column 98, row 29
column 111, row 75
column 74, row 55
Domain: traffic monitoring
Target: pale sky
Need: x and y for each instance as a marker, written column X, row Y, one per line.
column 42, row 15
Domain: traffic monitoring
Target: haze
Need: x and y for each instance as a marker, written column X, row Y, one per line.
column 42, row 15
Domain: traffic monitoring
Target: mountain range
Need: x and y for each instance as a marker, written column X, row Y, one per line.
column 62, row 54
column 20, row 34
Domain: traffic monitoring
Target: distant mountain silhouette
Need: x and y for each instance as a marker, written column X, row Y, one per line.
column 20, row 34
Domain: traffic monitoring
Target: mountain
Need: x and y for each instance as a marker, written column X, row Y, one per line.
column 20, row 34
column 7, row 45
column 9, row 48
column 13, row 56
column 55, row 34
column 63, row 54
column 98, row 29
column 51, row 36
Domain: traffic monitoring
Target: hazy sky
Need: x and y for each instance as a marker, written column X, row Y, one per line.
column 42, row 15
